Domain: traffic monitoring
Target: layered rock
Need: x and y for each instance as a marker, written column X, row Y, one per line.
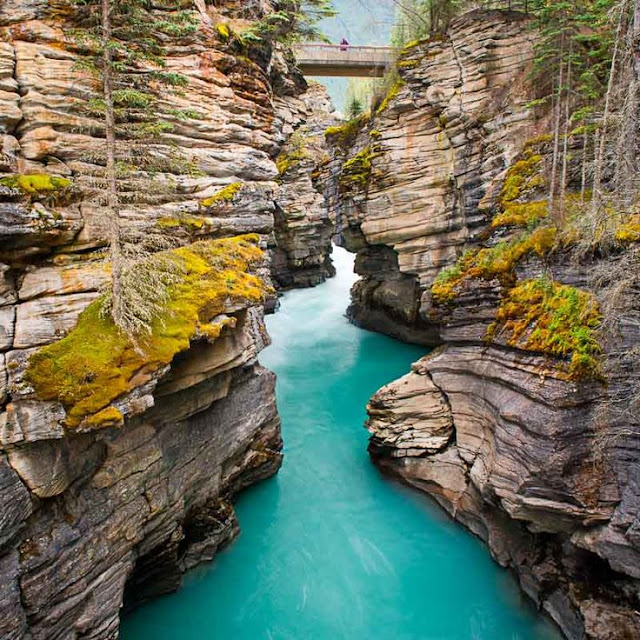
column 120, row 508
column 303, row 227
column 437, row 148
column 535, row 459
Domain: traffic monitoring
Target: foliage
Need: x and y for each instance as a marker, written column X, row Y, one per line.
column 344, row 135
column 357, row 172
column 40, row 186
column 497, row 262
column 544, row 316
column 224, row 196
column 392, row 92
column 96, row 363
column 294, row 152
column 291, row 21
column 355, row 108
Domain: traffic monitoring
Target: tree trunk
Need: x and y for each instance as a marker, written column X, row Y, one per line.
column 601, row 148
column 113, row 214
column 636, row 39
column 583, row 181
column 565, row 143
column 556, row 134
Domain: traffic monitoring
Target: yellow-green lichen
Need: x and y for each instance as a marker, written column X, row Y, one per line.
column 345, row 134
column 523, row 177
column 294, row 152
column 629, row 230
column 411, row 44
column 521, row 214
column 107, row 417
column 357, row 172
column 96, row 363
column 224, row 196
column 543, row 316
column 36, row 184
column 191, row 223
column 223, row 30
column 392, row 94
column 496, row 262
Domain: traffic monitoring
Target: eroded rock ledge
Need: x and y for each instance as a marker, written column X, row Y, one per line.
column 432, row 158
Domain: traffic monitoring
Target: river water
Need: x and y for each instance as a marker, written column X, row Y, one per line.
column 329, row 548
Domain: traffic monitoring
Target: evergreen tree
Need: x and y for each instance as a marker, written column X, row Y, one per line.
column 122, row 42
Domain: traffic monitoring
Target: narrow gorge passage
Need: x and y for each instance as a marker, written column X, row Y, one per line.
column 329, row 548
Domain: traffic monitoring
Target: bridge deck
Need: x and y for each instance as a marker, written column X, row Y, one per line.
column 349, row 61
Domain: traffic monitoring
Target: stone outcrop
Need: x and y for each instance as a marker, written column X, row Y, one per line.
column 303, row 228
column 90, row 517
column 437, row 150
column 539, row 463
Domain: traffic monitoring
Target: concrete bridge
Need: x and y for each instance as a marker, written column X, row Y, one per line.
column 343, row 60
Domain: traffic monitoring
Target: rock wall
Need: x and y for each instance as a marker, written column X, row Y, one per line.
column 438, row 146
column 303, row 227
column 92, row 517
column 540, row 465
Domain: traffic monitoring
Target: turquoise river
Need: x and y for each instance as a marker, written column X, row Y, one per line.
column 330, row 549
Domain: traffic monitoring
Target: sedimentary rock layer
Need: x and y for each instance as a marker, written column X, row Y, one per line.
column 439, row 149
column 303, row 228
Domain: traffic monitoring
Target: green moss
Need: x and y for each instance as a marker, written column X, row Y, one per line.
column 96, row 363
column 629, row 230
column 411, row 44
column 187, row 222
column 36, row 184
column 108, row 417
column 544, row 316
column 357, row 171
column 294, row 152
column 391, row 95
column 498, row 262
column 408, row 64
column 345, row 134
column 223, row 30
column 223, row 196
column 521, row 214
column 522, row 177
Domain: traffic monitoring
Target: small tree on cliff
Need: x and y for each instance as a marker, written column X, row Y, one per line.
column 122, row 43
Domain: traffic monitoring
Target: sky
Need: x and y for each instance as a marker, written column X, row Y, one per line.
column 360, row 22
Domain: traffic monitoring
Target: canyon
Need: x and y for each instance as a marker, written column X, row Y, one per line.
column 109, row 507
column 116, row 507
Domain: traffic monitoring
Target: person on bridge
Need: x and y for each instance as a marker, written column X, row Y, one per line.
column 344, row 44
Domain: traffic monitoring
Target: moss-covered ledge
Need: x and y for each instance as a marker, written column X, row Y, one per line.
column 95, row 364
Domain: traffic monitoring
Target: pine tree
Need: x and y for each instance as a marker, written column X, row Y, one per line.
column 121, row 42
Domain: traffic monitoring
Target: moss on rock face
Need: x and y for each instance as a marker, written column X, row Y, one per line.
column 521, row 214
column 494, row 262
column 190, row 223
column 35, row 183
column 39, row 186
column 294, row 153
column 392, row 94
column 357, row 172
column 225, row 195
column 344, row 135
column 629, row 231
column 544, row 316
column 96, row 363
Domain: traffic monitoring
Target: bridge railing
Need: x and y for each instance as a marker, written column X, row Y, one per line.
column 349, row 47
